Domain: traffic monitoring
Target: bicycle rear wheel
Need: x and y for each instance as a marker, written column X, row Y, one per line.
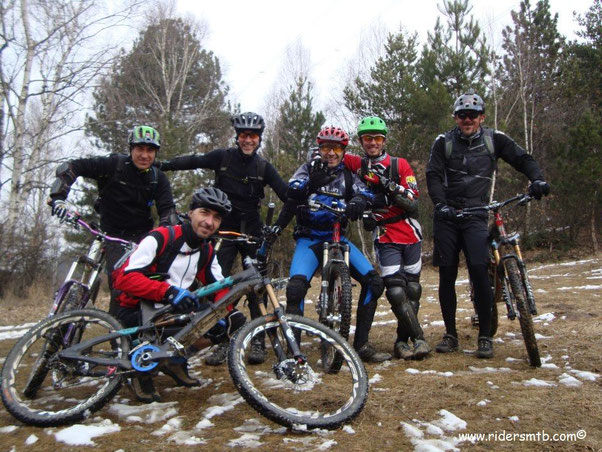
column 524, row 316
column 296, row 394
column 71, row 390
column 338, row 316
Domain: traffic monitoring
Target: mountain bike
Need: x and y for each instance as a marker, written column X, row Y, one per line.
column 335, row 301
column 290, row 388
column 78, row 291
column 508, row 271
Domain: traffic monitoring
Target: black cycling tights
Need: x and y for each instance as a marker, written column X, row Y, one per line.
column 482, row 291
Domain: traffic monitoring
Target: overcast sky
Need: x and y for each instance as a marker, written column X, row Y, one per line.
column 250, row 37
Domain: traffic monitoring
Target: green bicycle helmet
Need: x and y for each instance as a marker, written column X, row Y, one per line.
column 371, row 124
column 144, row 135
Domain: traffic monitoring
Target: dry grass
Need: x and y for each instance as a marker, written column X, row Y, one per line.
column 574, row 339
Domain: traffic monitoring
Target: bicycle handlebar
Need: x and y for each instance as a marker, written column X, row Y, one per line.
column 74, row 218
column 495, row 206
column 320, row 205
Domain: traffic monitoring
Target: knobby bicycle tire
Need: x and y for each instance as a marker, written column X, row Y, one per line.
column 339, row 307
column 71, row 390
column 293, row 394
column 524, row 316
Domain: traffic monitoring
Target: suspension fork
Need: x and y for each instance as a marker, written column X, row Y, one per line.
column 286, row 328
column 522, row 267
column 502, row 282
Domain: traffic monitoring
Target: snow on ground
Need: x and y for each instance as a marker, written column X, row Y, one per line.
column 431, row 436
column 14, row 332
column 81, row 435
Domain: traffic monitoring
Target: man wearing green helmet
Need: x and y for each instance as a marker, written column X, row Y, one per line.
column 397, row 233
column 128, row 185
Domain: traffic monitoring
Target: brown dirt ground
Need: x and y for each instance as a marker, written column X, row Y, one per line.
column 573, row 338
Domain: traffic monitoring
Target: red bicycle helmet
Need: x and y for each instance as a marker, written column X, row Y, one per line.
column 333, row 134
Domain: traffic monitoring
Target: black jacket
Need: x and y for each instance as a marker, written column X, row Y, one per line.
column 126, row 193
column 239, row 181
column 464, row 178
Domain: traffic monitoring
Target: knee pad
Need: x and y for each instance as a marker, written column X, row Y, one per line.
column 414, row 291
column 396, row 296
column 295, row 293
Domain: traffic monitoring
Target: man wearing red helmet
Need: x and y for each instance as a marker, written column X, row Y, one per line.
column 325, row 180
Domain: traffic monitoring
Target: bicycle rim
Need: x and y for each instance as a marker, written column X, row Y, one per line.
column 300, row 396
column 338, row 315
column 70, row 390
column 524, row 316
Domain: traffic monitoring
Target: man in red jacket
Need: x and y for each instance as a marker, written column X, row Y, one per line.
column 185, row 255
column 397, row 233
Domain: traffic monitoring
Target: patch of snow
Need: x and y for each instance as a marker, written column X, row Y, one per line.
column 547, row 317
column 450, row 421
column 81, row 435
column 31, row 439
column 567, row 380
column 513, row 418
column 375, row 379
column 246, row 441
column 327, row 444
column 412, row 431
column 584, row 375
column 348, row 429
column 8, row 429
column 483, row 402
column 185, row 438
column 537, row 382
column 171, row 426
column 549, row 366
column 541, row 336
column 487, row 370
column 145, row 413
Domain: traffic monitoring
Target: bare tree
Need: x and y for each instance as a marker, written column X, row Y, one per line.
column 51, row 55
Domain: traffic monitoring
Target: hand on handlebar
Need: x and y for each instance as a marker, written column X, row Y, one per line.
column 181, row 299
column 539, row 188
column 59, row 209
column 445, row 212
column 355, row 208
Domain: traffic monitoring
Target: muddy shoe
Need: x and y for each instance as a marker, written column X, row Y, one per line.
column 144, row 390
column 485, row 347
column 401, row 350
column 421, row 349
column 218, row 356
column 179, row 373
column 368, row 354
column 257, row 353
column 448, row 344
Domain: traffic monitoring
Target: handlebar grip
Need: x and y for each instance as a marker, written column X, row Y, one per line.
column 270, row 215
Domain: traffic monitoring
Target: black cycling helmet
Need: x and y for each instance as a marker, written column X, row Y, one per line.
column 248, row 121
column 211, row 198
column 144, row 135
column 469, row 101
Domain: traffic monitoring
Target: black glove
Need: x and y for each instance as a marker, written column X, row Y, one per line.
column 318, row 175
column 355, row 208
column 539, row 188
column 445, row 212
column 59, row 209
column 370, row 223
column 271, row 233
column 379, row 201
column 181, row 299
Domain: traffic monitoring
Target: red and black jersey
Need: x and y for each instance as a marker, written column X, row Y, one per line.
column 407, row 230
column 168, row 251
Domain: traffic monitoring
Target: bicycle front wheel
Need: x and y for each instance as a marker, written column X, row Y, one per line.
column 70, row 390
column 338, row 316
column 299, row 394
column 524, row 316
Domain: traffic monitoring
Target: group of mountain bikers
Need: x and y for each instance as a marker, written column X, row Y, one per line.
column 459, row 174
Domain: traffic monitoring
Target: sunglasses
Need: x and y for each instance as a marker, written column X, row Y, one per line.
column 245, row 135
column 471, row 114
column 336, row 148
column 378, row 139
